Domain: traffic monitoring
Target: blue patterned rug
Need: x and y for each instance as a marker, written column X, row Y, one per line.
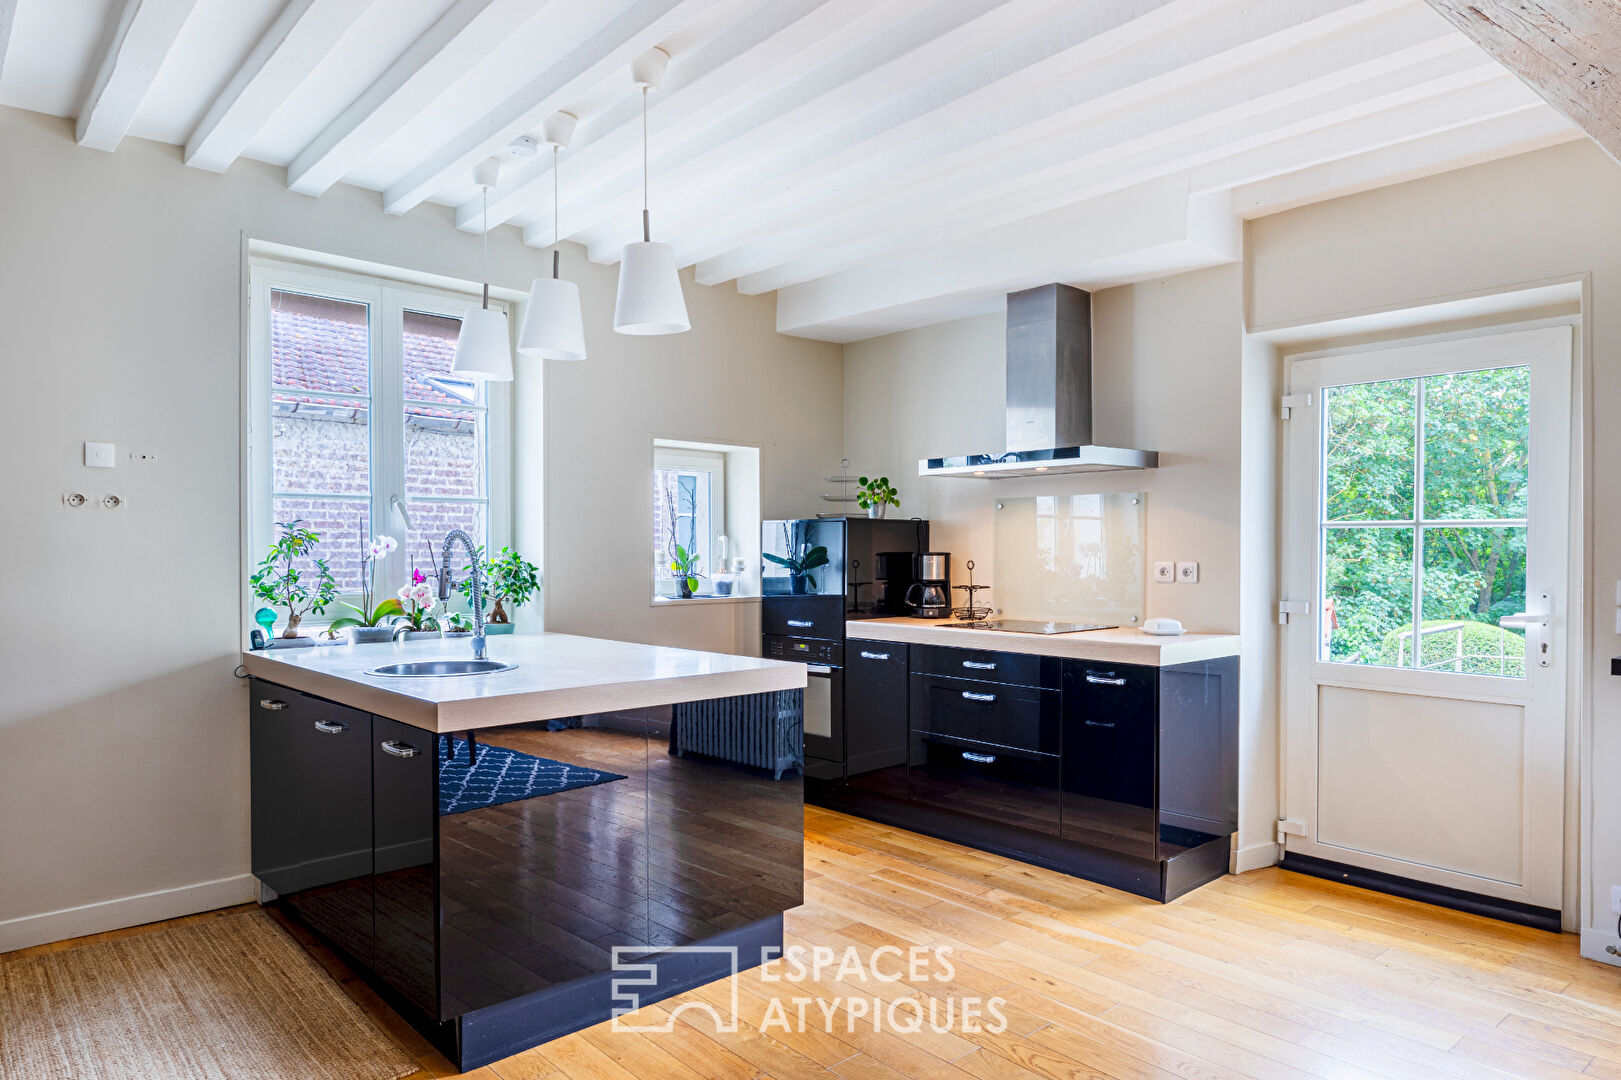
column 503, row 776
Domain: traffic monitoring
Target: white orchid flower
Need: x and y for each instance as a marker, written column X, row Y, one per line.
column 387, row 543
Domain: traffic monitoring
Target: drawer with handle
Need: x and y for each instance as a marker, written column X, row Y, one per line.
column 1012, row 787
column 803, row 616
column 997, row 714
column 1020, row 669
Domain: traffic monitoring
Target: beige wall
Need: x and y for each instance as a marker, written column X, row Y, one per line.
column 1551, row 214
column 123, row 736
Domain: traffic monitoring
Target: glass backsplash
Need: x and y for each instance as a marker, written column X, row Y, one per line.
column 1076, row 558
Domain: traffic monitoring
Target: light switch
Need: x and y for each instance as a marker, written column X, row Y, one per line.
column 99, row 455
column 1187, row 573
column 1165, row 573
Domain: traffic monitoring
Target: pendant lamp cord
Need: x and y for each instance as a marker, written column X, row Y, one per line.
column 557, row 236
column 485, row 188
column 647, row 232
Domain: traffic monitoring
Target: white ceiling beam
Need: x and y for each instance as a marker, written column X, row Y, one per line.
column 893, row 65
column 1039, row 84
column 456, row 43
column 606, row 53
column 302, row 36
column 1144, row 231
column 727, row 72
column 1218, row 119
column 1458, row 148
column 8, row 14
column 140, row 42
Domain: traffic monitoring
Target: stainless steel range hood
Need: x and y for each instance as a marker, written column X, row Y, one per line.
column 1049, row 395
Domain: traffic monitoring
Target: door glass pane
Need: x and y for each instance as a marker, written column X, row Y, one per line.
column 1477, row 427
column 1472, row 578
column 1367, row 610
column 318, row 344
column 1369, row 451
column 819, row 707
column 341, row 524
column 321, row 447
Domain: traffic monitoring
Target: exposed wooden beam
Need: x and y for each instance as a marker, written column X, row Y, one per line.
column 457, row 42
column 605, row 53
column 140, row 42
column 300, row 38
column 8, row 12
column 1569, row 51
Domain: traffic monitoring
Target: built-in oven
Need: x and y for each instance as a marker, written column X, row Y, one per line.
column 824, row 699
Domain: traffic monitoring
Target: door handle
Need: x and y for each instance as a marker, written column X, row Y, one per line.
column 818, row 669
column 971, row 696
column 272, row 704
column 330, row 727
column 801, row 624
column 1099, row 723
column 978, row 665
column 399, row 749
column 979, row 759
column 874, row 655
column 1528, row 621
column 1103, row 680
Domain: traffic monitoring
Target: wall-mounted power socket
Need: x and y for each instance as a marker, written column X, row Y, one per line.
column 1615, row 899
column 1187, row 573
column 1165, row 573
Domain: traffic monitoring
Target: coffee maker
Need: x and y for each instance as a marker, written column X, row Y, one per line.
column 929, row 596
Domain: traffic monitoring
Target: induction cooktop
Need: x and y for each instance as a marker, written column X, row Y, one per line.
column 1028, row 626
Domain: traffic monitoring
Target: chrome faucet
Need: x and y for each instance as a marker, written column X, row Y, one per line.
column 476, row 597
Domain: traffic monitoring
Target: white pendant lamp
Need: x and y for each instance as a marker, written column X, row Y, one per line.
column 553, row 328
column 649, row 300
column 483, row 347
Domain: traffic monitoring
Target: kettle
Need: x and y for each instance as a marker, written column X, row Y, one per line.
column 928, row 600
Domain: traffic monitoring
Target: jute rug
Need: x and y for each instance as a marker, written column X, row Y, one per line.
column 231, row 998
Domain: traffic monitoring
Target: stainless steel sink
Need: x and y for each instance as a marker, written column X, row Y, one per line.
column 438, row 669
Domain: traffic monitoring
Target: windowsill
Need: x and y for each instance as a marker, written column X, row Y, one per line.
column 668, row 601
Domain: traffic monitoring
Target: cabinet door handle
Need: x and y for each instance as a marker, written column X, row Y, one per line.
column 1099, row 723
column 330, row 727
column 978, row 665
column 399, row 749
column 272, row 704
column 802, row 624
column 969, row 695
column 979, row 759
column 819, row 669
column 1103, row 680
column 865, row 655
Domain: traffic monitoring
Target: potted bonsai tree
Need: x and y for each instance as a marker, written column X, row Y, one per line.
column 875, row 496
column 280, row 582
column 370, row 624
column 510, row 581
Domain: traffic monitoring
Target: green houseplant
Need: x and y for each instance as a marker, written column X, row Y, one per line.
column 875, row 496
column 417, row 601
column 684, row 565
column 280, row 582
column 509, row 579
column 799, row 569
column 368, row 623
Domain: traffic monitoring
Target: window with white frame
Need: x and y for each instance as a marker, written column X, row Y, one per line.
column 357, row 427
column 706, row 502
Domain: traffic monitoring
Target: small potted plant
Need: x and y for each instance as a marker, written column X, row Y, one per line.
column 684, row 566
column 509, row 578
column 417, row 601
column 875, row 496
column 459, row 624
column 370, row 624
column 280, row 582
column 799, row 570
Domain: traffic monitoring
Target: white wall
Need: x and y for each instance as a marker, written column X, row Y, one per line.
column 123, row 735
column 1551, row 214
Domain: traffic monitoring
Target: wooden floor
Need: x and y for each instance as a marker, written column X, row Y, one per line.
column 1269, row 976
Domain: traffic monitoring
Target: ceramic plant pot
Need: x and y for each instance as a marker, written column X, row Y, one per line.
column 491, row 629
column 420, row 635
column 370, row 635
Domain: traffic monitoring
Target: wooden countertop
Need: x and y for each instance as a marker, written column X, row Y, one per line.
column 557, row 675
column 1110, row 646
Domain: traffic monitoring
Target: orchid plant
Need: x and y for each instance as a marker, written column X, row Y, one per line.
column 372, row 551
column 417, row 601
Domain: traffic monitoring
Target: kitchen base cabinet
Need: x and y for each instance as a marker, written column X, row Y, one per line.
column 875, row 711
column 497, row 928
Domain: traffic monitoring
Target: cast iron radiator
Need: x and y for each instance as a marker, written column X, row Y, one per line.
column 766, row 731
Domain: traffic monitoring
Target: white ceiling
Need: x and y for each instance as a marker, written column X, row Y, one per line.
column 880, row 164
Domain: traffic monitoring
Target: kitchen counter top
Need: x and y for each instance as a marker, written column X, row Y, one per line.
column 557, row 675
column 1123, row 646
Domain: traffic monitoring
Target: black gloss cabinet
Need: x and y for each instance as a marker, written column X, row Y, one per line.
column 1120, row 773
column 497, row 928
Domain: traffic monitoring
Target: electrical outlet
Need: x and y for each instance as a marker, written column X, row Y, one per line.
column 74, row 500
column 1615, row 899
column 111, row 502
column 142, row 455
column 1187, row 573
column 1165, row 574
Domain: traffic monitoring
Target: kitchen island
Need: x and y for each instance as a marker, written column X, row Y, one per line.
column 619, row 801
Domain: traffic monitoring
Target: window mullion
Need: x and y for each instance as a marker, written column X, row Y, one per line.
column 1418, row 521
column 388, row 436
